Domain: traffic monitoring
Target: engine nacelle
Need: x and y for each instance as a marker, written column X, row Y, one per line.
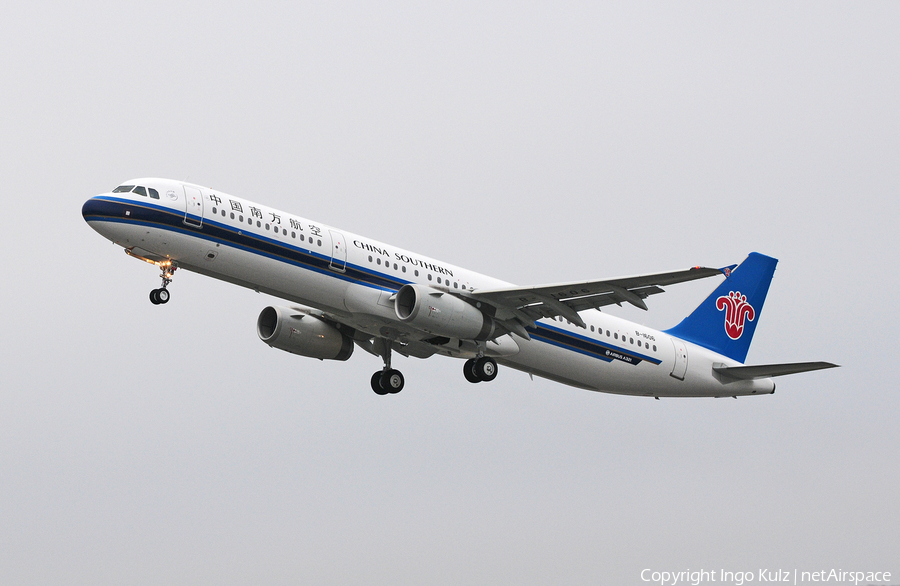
column 441, row 314
column 303, row 334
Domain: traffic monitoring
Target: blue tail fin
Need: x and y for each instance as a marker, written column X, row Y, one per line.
column 726, row 320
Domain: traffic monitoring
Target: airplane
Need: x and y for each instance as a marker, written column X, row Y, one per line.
column 345, row 291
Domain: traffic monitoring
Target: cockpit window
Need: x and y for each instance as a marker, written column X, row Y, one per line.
column 140, row 190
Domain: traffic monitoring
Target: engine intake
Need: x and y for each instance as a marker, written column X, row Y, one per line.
column 303, row 334
column 441, row 314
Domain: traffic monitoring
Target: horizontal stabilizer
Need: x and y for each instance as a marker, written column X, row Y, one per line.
column 768, row 370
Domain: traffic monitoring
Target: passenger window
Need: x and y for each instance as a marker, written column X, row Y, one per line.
column 403, row 268
column 123, row 189
column 153, row 193
column 140, row 191
column 429, row 276
column 293, row 234
column 456, row 285
column 616, row 336
column 232, row 215
column 223, row 213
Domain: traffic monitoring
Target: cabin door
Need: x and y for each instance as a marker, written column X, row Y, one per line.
column 338, row 252
column 193, row 210
column 680, row 359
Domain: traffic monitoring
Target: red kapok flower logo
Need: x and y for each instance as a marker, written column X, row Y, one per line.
column 736, row 311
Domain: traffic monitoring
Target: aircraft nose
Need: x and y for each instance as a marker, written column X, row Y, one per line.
column 95, row 208
column 89, row 209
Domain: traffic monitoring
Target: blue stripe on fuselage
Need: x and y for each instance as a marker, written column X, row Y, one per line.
column 585, row 345
column 112, row 209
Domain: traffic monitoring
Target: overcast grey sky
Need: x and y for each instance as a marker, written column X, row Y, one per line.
column 536, row 143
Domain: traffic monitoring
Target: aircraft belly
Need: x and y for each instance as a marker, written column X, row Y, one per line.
column 282, row 279
column 554, row 363
column 125, row 235
column 585, row 371
column 245, row 268
column 616, row 377
column 359, row 299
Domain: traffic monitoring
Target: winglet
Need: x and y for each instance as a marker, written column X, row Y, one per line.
column 727, row 270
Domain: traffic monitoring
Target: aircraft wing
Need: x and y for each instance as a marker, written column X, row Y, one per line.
column 525, row 305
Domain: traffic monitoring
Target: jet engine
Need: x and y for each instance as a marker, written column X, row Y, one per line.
column 441, row 314
column 303, row 334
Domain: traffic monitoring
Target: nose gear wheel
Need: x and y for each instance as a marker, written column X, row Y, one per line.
column 162, row 295
column 159, row 296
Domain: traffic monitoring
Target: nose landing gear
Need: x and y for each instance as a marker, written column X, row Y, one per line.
column 161, row 295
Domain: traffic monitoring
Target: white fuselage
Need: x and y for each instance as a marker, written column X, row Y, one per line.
column 352, row 278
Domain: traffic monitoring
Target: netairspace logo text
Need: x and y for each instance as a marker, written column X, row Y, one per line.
column 764, row 576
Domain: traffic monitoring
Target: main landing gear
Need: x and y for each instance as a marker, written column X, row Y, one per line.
column 161, row 295
column 481, row 369
column 387, row 381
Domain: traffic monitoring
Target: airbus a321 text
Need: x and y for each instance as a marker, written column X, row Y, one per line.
column 344, row 290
